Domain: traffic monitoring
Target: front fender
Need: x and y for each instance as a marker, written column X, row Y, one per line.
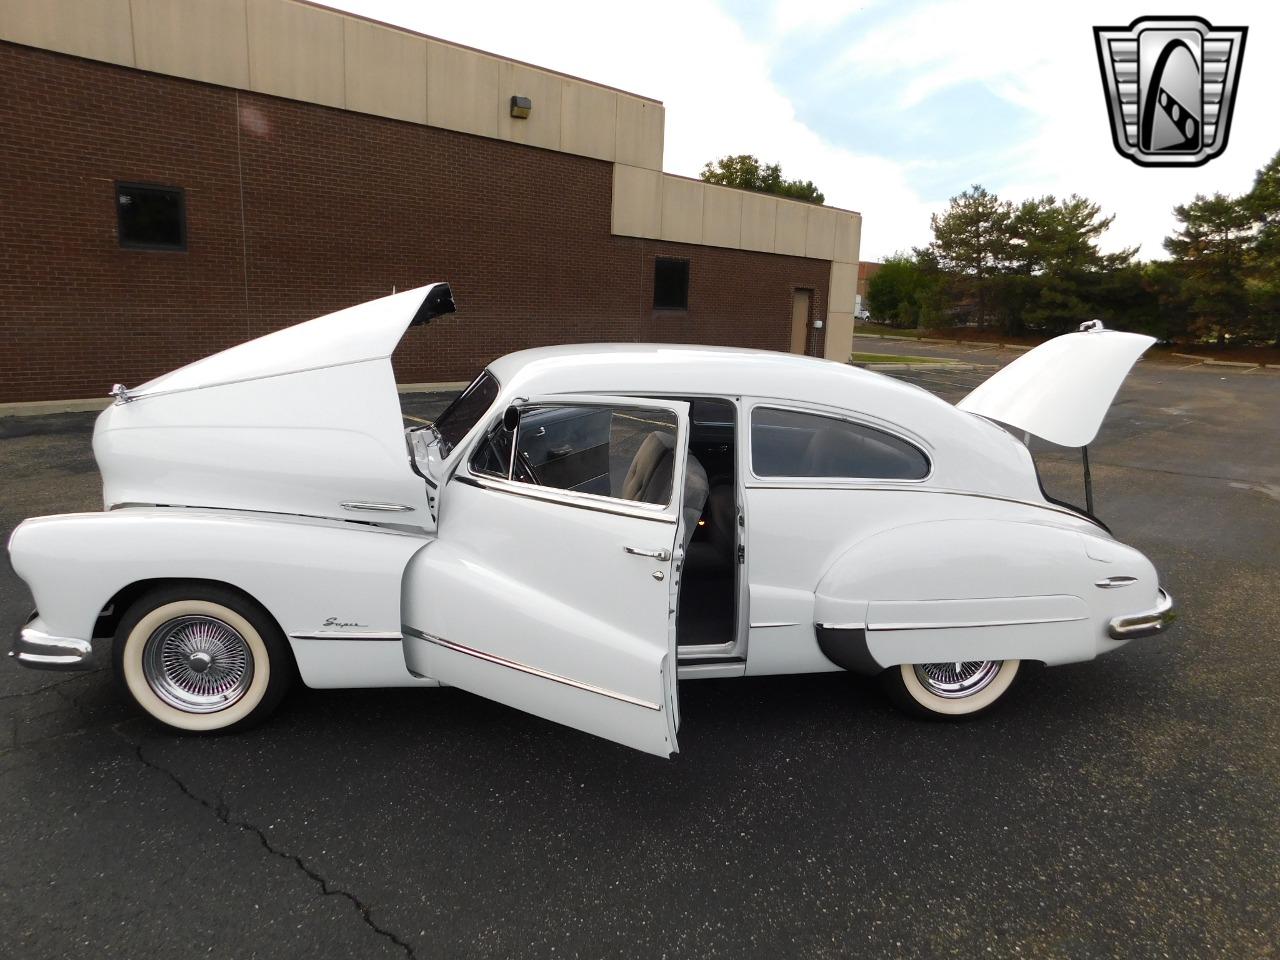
column 304, row 572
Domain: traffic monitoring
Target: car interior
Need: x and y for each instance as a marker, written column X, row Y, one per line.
column 708, row 603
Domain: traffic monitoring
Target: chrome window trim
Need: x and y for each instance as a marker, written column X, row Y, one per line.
column 849, row 416
column 531, row 670
column 664, row 513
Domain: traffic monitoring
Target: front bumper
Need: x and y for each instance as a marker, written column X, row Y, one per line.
column 1145, row 624
column 33, row 647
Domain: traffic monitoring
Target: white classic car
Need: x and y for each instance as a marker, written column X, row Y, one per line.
column 581, row 528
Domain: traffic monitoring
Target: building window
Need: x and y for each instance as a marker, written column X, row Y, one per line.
column 150, row 217
column 670, row 284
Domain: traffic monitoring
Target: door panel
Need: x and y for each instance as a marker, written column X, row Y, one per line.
column 530, row 599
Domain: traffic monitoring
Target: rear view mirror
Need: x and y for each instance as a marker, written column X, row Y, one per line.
column 511, row 419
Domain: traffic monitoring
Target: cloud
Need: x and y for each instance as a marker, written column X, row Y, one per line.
column 869, row 116
column 713, row 79
column 1041, row 58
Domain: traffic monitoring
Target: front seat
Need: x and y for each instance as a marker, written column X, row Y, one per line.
column 648, row 479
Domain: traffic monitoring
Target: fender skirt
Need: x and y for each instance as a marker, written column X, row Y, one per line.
column 847, row 647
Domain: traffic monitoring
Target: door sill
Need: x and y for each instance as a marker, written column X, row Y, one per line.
column 709, row 669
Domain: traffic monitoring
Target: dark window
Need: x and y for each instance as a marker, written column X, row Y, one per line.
column 623, row 452
column 786, row 443
column 670, row 284
column 465, row 411
column 151, row 218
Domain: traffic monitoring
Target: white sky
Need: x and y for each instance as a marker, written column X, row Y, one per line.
column 890, row 107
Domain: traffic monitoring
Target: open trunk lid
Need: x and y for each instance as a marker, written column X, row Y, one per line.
column 1061, row 390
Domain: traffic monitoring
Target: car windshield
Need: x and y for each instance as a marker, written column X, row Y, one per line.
column 465, row 412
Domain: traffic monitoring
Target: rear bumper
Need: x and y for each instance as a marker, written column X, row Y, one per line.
column 1145, row 624
column 33, row 647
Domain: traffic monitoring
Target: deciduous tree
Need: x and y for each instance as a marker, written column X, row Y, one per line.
column 747, row 173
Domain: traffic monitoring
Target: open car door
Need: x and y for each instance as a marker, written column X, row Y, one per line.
column 551, row 587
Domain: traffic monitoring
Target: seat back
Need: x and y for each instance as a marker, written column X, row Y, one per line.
column 648, row 479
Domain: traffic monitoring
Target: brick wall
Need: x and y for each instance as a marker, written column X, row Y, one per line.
column 294, row 210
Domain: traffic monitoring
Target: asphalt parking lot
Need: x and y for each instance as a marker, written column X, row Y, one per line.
column 1122, row 808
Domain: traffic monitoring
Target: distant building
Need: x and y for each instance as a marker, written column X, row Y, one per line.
column 180, row 177
column 866, row 270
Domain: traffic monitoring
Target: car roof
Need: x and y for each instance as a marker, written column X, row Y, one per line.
column 693, row 369
column 969, row 452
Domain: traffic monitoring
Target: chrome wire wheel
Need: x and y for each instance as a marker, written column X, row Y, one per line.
column 957, row 679
column 197, row 664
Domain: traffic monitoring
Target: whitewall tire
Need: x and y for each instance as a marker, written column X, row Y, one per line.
column 949, row 690
column 201, row 658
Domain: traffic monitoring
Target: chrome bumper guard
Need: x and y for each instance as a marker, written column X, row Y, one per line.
column 34, row 648
column 1145, row 624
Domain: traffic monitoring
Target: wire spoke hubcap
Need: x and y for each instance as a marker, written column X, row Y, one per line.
column 198, row 664
column 958, row 678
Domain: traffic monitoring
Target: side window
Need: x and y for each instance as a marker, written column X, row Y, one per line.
column 787, row 443
column 622, row 452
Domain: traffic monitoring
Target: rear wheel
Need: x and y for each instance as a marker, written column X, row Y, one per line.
column 202, row 659
column 961, row 688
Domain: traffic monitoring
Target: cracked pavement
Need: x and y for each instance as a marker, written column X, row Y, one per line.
column 1122, row 808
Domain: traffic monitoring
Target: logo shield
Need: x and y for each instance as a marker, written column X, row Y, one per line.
column 1170, row 84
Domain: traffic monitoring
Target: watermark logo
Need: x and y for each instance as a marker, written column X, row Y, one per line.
column 1170, row 84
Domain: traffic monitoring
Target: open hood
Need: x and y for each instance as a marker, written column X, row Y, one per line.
column 1062, row 389
column 303, row 421
column 367, row 331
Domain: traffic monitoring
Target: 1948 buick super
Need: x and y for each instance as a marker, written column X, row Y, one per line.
column 581, row 528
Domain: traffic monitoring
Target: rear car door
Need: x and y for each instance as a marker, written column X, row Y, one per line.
column 551, row 586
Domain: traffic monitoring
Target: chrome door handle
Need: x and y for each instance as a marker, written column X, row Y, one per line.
column 663, row 555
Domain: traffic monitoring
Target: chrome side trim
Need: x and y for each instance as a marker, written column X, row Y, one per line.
column 376, row 507
column 1145, row 624
column 526, row 668
column 957, row 626
column 1110, row 583
column 42, row 651
column 341, row 635
column 775, row 623
column 840, row 626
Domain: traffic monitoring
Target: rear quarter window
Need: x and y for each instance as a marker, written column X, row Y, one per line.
column 792, row 443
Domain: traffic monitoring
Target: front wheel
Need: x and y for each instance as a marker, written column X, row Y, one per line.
column 201, row 658
column 953, row 689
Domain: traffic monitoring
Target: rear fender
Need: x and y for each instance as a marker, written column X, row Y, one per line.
column 976, row 590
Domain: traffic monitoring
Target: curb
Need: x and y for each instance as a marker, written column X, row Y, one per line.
column 1231, row 363
column 41, row 408
column 889, row 367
